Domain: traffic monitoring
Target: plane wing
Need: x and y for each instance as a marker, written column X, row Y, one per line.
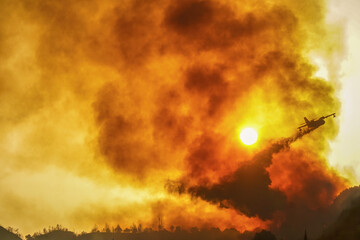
column 333, row 114
column 304, row 125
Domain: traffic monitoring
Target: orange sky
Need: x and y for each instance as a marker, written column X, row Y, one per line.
column 102, row 103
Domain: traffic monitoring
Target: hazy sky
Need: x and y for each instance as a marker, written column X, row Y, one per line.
column 345, row 154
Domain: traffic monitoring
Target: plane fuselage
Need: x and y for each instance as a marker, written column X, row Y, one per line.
column 316, row 123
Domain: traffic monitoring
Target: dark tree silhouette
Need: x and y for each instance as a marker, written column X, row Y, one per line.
column 118, row 229
column 9, row 234
column 264, row 235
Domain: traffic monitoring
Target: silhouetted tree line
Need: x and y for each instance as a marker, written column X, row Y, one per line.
column 346, row 227
column 137, row 232
column 9, row 234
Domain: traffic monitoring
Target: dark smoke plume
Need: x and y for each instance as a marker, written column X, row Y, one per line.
column 248, row 188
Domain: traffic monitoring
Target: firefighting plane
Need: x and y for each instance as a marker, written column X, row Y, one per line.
column 315, row 123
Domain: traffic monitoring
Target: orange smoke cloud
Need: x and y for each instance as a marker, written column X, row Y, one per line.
column 305, row 179
column 160, row 89
column 202, row 215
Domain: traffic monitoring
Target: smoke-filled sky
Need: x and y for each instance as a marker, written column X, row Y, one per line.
column 130, row 112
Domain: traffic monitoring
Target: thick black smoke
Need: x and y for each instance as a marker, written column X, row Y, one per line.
column 247, row 189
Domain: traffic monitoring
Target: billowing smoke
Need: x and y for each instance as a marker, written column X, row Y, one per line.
column 248, row 188
column 193, row 71
column 134, row 93
column 298, row 189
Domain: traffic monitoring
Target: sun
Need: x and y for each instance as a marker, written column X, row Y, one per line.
column 248, row 136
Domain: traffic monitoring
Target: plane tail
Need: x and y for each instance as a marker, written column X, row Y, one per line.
column 306, row 120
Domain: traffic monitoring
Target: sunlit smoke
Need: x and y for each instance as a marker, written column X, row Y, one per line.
column 128, row 97
column 247, row 187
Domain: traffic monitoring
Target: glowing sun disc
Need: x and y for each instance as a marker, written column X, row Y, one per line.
column 248, row 136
